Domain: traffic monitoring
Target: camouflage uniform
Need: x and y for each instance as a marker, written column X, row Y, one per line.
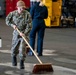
column 23, row 23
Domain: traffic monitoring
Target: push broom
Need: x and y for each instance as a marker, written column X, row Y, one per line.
column 38, row 68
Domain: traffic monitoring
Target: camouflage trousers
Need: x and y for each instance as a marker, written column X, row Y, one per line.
column 18, row 47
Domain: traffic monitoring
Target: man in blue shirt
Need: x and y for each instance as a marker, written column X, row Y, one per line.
column 38, row 13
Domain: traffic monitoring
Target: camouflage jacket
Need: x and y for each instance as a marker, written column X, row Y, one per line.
column 23, row 21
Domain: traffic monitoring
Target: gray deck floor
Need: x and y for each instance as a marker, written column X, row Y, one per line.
column 59, row 49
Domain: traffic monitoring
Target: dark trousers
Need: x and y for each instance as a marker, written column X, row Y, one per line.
column 39, row 29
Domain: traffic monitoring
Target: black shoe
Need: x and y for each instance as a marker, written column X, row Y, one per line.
column 22, row 67
column 14, row 61
column 40, row 55
column 22, row 64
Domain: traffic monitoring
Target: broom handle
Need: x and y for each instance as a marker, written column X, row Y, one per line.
column 30, row 47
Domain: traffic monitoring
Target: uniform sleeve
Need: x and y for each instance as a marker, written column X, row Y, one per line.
column 8, row 19
column 32, row 11
column 46, row 13
column 29, row 24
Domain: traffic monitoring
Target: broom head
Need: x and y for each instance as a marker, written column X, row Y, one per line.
column 42, row 68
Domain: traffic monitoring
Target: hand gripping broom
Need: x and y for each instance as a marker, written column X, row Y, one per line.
column 38, row 68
